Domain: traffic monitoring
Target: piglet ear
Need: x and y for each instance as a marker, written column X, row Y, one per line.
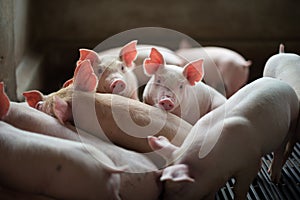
column 152, row 64
column 281, row 48
column 61, row 110
column 176, row 173
column 247, row 63
column 33, row 97
column 128, row 53
column 194, row 71
column 67, row 83
column 84, row 78
column 4, row 101
column 86, row 54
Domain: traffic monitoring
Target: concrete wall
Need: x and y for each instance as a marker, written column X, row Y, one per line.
column 18, row 64
column 212, row 20
column 7, row 62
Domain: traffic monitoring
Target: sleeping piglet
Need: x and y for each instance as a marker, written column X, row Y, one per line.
column 140, row 170
column 54, row 167
column 230, row 141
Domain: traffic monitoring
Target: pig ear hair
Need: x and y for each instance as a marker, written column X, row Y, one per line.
column 152, row 64
column 84, row 77
column 128, row 53
column 5, row 103
column 33, row 97
column 87, row 54
column 61, row 110
column 194, row 71
column 176, row 173
column 281, row 48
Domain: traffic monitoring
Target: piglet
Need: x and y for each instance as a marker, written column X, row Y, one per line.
column 58, row 104
column 230, row 141
column 140, row 170
column 285, row 67
column 114, row 71
column 6, row 193
column 225, row 70
column 179, row 90
column 45, row 165
column 123, row 121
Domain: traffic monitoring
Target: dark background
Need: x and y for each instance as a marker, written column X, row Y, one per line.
column 39, row 39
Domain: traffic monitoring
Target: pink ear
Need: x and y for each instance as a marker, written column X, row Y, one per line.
column 129, row 53
column 176, row 173
column 33, row 97
column 152, row 64
column 281, row 48
column 61, row 110
column 248, row 63
column 85, row 78
column 68, row 82
column 5, row 103
column 194, row 71
column 86, row 54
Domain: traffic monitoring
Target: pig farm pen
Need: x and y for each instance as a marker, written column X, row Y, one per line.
column 39, row 43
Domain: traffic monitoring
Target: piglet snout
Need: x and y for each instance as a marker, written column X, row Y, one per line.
column 166, row 103
column 117, row 86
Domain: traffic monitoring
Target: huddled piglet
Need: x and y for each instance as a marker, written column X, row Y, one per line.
column 123, row 121
column 7, row 193
column 114, row 71
column 139, row 171
column 285, row 67
column 225, row 70
column 179, row 90
column 230, row 141
column 54, row 167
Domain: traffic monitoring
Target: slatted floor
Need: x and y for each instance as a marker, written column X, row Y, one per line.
column 262, row 187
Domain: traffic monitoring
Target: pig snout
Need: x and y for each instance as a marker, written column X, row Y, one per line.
column 166, row 104
column 117, row 86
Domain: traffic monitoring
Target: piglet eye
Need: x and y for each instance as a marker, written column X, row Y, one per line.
column 39, row 105
column 122, row 68
column 181, row 86
column 158, row 81
column 100, row 70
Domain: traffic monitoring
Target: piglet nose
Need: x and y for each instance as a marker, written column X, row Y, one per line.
column 166, row 104
column 117, row 86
